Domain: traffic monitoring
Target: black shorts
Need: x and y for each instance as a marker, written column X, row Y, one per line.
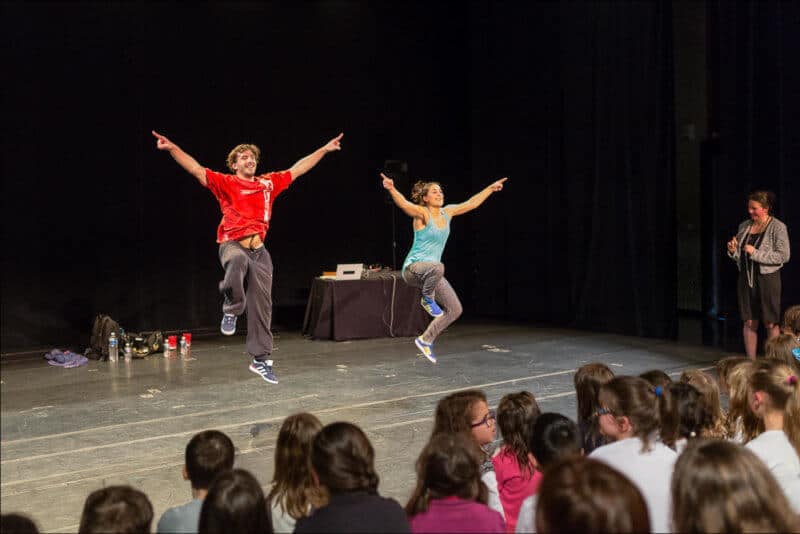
column 762, row 302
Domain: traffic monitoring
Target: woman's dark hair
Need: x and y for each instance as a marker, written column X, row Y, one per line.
column 587, row 496
column 719, row 486
column 208, row 454
column 118, row 509
column 235, row 503
column 449, row 465
column 588, row 379
column 514, row 414
column 344, row 460
column 553, row 437
column 291, row 483
column 765, row 198
column 649, row 410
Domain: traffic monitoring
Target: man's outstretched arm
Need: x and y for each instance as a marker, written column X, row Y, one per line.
column 184, row 160
column 307, row 163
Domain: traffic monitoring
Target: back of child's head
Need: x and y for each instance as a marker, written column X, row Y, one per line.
column 720, row 486
column 646, row 407
column 724, row 367
column 791, row 321
column 554, row 437
column 17, row 524
column 780, row 384
column 740, row 421
column 708, row 387
column 514, row 414
column 235, row 503
column 454, row 412
column 117, row 509
column 694, row 418
column 784, row 348
column 587, row 496
column 448, row 466
column 291, row 482
column 657, row 377
column 343, row 459
column 588, row 379
column 207, row 455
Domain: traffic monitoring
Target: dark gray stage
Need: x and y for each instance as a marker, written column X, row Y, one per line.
column 66, row 432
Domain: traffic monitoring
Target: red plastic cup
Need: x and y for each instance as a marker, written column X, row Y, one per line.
column 188, row 337
column 172, row 341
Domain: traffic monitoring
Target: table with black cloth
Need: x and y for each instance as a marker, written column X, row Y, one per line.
column 379, row 306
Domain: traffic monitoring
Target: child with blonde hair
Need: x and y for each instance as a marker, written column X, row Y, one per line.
column 784, row 348
column 774, row 397
column 741, row 425
column 706, row 385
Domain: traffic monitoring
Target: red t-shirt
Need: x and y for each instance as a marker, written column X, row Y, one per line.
column 246, row 205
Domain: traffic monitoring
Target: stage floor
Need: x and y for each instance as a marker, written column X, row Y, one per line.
column 67, row 432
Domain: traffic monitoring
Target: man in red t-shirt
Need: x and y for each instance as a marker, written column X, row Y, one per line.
column 246, row 203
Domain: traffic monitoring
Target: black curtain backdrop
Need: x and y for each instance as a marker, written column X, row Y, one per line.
column 576, row 106
column 756, row 105
column 572, row 101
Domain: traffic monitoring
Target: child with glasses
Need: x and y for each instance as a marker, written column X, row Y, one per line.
column 631, row 414
column 467, row 413
column 774, row 396
column 514, row 468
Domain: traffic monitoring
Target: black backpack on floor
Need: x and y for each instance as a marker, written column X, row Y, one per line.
column 101, row 331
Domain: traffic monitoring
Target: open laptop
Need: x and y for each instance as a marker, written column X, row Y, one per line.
column 349, row 271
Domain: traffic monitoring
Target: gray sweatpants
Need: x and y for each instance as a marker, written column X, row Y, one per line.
column 256, row 265
column 430, row 277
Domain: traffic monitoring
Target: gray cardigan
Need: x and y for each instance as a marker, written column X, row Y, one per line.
column 773, row 251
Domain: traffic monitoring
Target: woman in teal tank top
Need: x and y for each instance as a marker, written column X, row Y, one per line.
column 423, row 266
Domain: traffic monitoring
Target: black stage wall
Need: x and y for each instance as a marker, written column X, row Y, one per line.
column 572, row 101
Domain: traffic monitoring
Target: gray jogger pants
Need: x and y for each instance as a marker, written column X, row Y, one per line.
column 430, row 277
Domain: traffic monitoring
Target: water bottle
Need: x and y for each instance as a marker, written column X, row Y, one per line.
column 113, row 354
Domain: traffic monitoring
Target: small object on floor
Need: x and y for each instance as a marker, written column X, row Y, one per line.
column 65, row 359
column 431, row 307
column 426, row 349
column 264, row 370
column 228, row 325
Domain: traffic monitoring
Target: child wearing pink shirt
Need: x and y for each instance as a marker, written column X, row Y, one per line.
column 514, row 467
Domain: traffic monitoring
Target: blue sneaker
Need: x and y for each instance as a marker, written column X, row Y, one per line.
column 431, row 307
column 228, row 325
column 426, row 349
column 264, row 370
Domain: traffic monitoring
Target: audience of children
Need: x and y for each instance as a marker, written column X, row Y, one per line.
column 343, row 466
column 514, row 468
column 587, row 496
column 631, row 415
column 208, row 454
column 661, row 456
column 292, row 493
column 551, row 438
column 720, row 486
column 468, row 413
column 449, row 495
column 774, row 397
column 588, row 379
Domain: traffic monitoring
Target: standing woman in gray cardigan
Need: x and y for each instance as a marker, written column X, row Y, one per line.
column 759, row 248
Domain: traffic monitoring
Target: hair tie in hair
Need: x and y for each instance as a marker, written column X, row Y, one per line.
column 796, row 353
column 791, row 380
column 659, row 391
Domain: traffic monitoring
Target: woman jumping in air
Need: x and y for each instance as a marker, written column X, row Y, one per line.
column 423, row 267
